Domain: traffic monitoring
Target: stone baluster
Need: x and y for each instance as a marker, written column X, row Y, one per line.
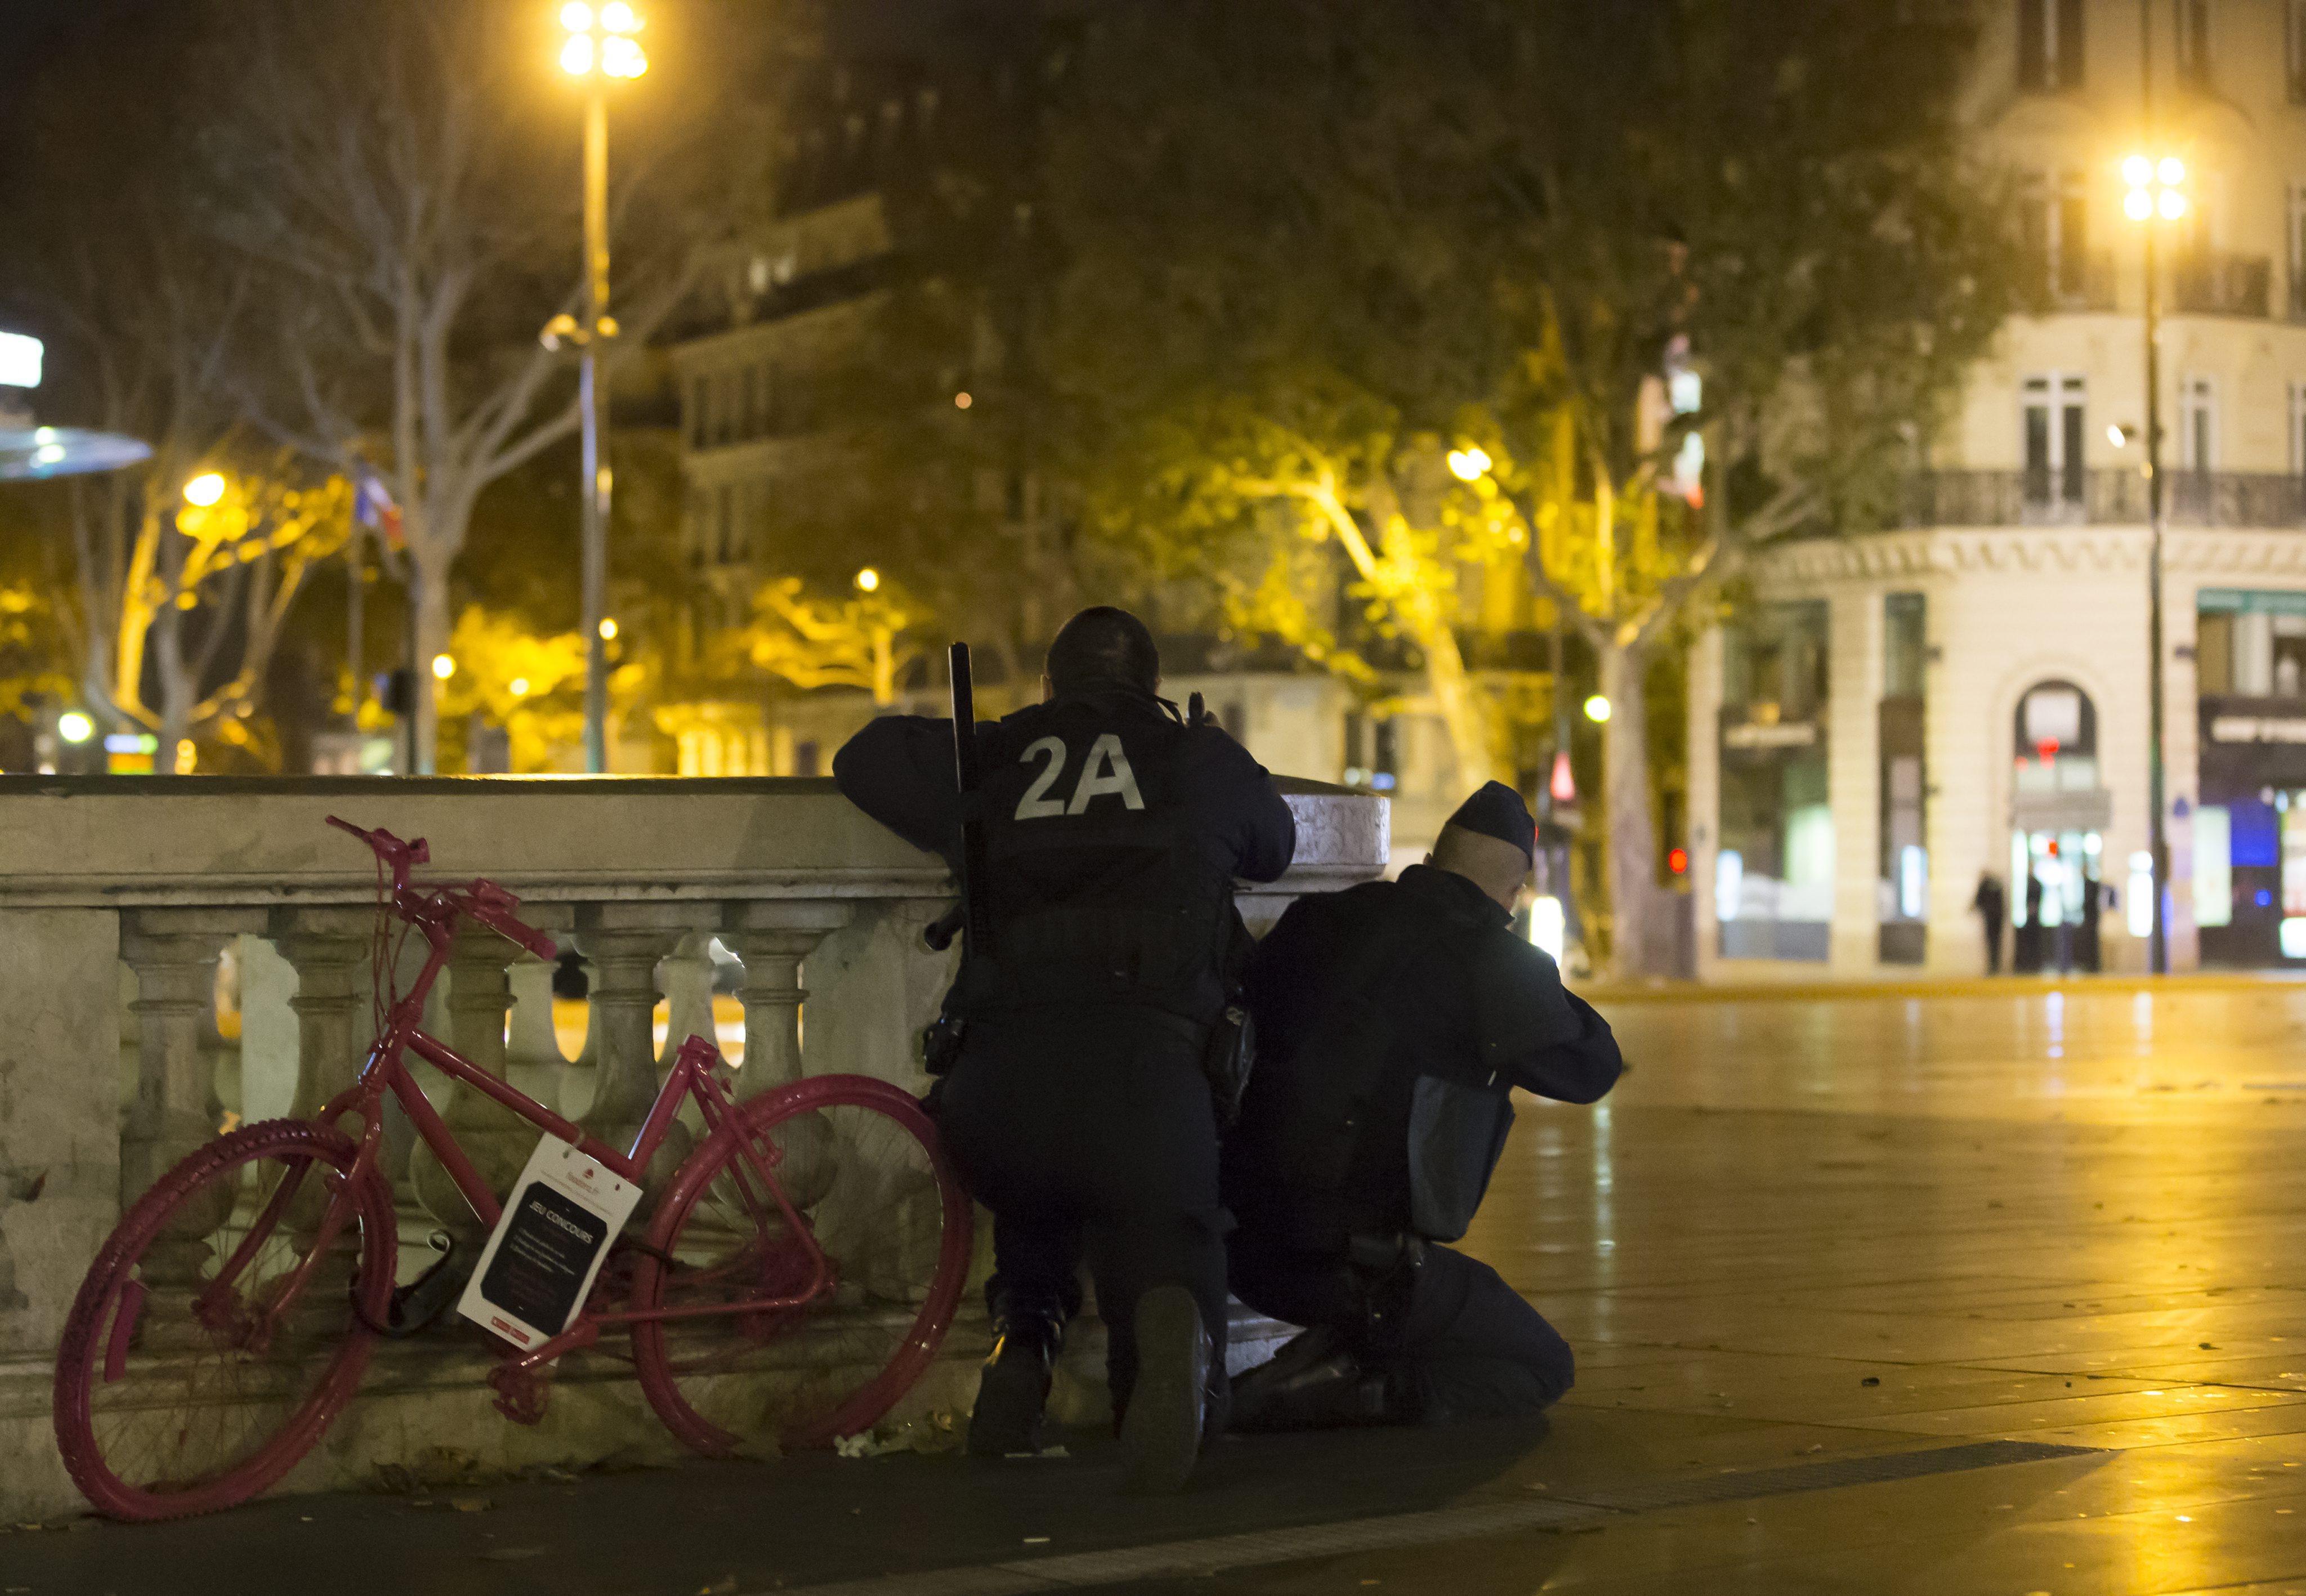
column 534, row 1061
column 624, row 942
column 687, row 995
column 328, row 950
column 173, row 955
column 773, row 938
column 496, row 1140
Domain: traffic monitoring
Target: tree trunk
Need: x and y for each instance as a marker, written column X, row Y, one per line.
column 432, row 626
column 179, row 692
column 1641, row 930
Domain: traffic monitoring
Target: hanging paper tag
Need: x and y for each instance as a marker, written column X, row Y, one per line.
column 541, row 1261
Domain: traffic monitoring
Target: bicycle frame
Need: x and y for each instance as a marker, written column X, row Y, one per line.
column 436, row 914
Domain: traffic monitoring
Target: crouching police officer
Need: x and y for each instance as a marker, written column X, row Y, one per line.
column 1076, row 1106
column 1393, row 1020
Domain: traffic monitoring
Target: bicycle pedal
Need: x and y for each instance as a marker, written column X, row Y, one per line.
column 522, row 1395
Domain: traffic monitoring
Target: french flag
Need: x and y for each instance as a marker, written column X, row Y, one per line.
column 372, row 507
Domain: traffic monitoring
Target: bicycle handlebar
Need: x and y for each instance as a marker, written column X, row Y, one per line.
column 484, row 901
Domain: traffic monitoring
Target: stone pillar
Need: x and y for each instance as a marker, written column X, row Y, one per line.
column 773, row 938
column 60, row 1091
column 1855, row 631
column 624, row 942
column 172, row 953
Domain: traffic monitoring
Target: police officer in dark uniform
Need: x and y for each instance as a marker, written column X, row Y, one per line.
column 1393, row 1020
column 1077, row 1106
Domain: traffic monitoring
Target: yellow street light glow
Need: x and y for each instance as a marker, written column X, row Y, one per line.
column 2172, row 171
column 2138, row 171
column 577, row 18
column 520, row 687
column 577, row 55
column 617, row 17
column 2137, row 205
column 2117, row 436
column 1597, row 709
column 963, row 401
column 1469, row 464
column 443, row 667
column 608, row 630
column 622, row 57
column 74, row 727
column 868, row 580
column 2173, row 206
column 204, row 490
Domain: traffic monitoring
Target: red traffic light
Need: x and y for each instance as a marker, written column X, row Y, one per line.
column 1677, row 861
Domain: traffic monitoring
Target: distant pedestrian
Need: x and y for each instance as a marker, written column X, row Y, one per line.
column 2030, row 949
column 1993, row 906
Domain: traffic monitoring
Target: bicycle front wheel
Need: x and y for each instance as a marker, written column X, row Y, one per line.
column 183, row 1384
column 859, row 1164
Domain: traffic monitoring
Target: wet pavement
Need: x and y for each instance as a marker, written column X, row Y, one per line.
column 1998, row 1292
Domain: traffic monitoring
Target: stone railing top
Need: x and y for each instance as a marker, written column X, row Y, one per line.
column 193, row 840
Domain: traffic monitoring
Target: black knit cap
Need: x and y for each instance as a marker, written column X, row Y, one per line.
column 1497, row 810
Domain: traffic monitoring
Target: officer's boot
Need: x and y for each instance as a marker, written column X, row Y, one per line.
column 1014, row 1387
column 1324, row 1386
column 1161, row 1429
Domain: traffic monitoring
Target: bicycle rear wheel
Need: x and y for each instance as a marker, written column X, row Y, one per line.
column 177, row 1391
column 859, row 1162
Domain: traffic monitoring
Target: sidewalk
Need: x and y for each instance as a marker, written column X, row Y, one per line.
column 1800, row 985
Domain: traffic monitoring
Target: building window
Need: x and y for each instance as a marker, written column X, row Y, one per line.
column 2054, row 439
column 2057, row 236
column 2295, row 232
column 2049, row 44
column 2193, row 36
column 2198, row 422
column 724, row 525
column 2295, row 52
column 700, row 410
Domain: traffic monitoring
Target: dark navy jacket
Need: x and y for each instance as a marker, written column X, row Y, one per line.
column 1382, row 1011
column 1113, row 835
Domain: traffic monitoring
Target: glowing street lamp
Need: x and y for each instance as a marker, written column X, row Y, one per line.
column 1597, row 709
column 868, row 580
column 1469, row 464
column 443, row 667
column 603, row 43
column 74, row 727
column 205, row 490
column 2157, row 195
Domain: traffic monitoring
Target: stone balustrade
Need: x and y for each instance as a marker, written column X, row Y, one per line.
column 119, row 897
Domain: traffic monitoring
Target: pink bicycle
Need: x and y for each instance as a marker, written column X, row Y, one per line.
column 798, row 1273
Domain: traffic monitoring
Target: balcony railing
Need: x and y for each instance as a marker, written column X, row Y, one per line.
column 2215, row 283
column 119, row 898
column 2104, row 497
column 2080, row 281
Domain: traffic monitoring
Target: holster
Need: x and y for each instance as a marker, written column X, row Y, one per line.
column 1382, row 1271
column 1227, row 1058
column 941, row 1042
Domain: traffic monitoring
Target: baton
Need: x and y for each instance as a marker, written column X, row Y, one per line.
column 976, row 914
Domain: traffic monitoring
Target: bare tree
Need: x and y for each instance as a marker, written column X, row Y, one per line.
column 411, row 222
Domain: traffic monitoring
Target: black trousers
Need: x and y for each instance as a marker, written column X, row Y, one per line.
column 1090, row 1135
column 1471, row 1346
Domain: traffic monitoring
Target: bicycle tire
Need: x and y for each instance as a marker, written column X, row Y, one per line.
column 726, row 1383
column 113, row 1373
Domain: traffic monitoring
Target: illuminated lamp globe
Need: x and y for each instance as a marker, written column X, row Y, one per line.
column 576, row 17
column 608, row 630
column 577, row 55
column 868, row 580
column 1597, row 709
column 2172, row 205
column 617, row 17
column 204, row 490
column 520, row 686
column 443, row 667
column 2138, row 171
column 2137, row 205
column 74, row 727
column 622, row 57
column 2172, row 171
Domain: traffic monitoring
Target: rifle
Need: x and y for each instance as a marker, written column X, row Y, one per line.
column 972, row 912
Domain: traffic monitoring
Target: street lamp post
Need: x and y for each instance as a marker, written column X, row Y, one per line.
column 601, row 44
column 2157, row 194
